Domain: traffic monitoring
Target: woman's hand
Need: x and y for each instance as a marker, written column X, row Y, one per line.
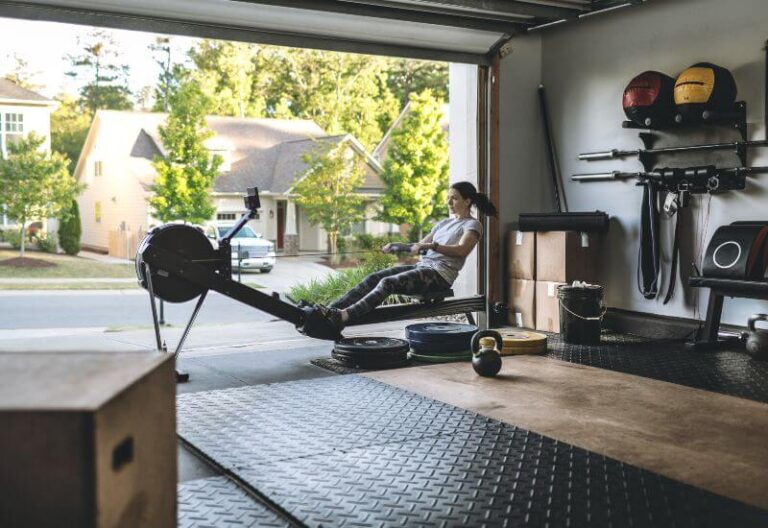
column 418, row 247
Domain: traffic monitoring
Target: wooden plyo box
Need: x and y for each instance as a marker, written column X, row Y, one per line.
column 87, row 440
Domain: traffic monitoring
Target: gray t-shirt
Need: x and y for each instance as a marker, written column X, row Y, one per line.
column 449, row 232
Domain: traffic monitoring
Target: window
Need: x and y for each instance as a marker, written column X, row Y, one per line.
column 97, row 168
column 97, row 211
column 231, row 217
column 14, row 123
column 11, row 129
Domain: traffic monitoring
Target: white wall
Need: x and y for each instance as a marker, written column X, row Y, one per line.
column 585, row 66
column 462, row 151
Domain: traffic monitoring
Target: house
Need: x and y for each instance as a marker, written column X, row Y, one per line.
column 116, row 166
column 22, row 111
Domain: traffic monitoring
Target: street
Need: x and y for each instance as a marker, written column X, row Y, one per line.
column 130, row 308
column 112, row 309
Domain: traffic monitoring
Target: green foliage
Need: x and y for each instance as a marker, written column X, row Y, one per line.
column 407, row 76
column 70, row 230
column 47, row 243
column 416, row 167
column 337, row 207
column 106, row 81
column 342, row 93
column 375, row 243
column 34, row 184
column 69, row 128
column 13, row 238
column 170, row 77
column 334, row 285
column 21, row 75
column 185, row 177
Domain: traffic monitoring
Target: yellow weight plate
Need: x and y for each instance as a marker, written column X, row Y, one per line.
column 518, row 342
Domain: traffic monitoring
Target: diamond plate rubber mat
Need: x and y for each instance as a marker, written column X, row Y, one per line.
column 218, row 501
column 732, row 373
column 351, row 451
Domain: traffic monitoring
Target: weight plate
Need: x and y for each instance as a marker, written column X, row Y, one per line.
column 521, row 339
column 368, row 364
column 360, row 356
column 439, row 332
column 184, row 240
column 440, row 348
column 427, row 358
column 380, row 346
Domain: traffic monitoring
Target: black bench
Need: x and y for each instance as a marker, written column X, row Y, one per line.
column 708, row 339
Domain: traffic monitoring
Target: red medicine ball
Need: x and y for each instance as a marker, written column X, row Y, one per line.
column 649, row 100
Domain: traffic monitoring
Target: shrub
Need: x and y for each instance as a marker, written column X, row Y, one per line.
column 70, row 230
column 14, row 238
column 365, row 241
column 47, row 243
column 2, row 235
column 334, row 285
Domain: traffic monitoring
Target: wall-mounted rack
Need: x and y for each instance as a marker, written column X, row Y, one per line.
column 736, row 118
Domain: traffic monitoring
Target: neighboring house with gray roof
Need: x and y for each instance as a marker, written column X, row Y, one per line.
column 22, row 111
column 116, row 166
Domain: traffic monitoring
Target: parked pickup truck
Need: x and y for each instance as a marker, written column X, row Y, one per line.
column 249, row 249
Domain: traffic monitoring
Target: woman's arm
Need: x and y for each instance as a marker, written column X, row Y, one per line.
column 465, row 246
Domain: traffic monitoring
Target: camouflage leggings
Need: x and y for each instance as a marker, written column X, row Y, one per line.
column 372, row 291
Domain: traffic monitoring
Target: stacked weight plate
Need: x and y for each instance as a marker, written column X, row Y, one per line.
column 371, row 352
column 440, row 342
column 520, row 342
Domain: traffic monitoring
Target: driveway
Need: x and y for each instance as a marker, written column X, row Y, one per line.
column 288, row 272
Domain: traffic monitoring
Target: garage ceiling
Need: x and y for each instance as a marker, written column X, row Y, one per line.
column 469, row 31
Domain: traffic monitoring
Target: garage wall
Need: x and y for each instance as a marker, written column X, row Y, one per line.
column 585, row 66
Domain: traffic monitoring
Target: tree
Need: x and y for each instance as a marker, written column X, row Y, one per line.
column 416, row 168
column 226, row 72
column 21, row 74
column 33, row 183
column 407, row 76
column 341, row 92
column 185, row 175
column 337, row 207
column 69, row 128
column 171, row 74
column 105, row 80
column 70, row 229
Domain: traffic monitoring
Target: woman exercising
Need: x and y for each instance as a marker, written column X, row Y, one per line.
column 446, row 246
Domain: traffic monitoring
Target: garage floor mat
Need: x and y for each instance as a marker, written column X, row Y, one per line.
column 352, row 451
column 733, row 373
column 217, row 501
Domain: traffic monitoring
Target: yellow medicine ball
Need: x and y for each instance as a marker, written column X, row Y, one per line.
column 705, row 86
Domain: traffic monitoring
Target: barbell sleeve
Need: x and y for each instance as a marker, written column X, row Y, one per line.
column 600, row 176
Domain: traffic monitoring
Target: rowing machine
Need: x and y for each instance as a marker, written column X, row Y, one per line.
column 177, row 263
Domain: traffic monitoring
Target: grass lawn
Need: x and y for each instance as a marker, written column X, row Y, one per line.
column 65, row 267
column 69, row 286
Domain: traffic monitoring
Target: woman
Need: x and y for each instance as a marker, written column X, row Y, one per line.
column 446, row 246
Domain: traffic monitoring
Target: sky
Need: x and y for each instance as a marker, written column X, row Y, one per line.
column 45, row 45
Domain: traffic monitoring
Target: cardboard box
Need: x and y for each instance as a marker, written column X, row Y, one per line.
column 88, row 440
column 566, row 256
column 547, row 306
column 521, row 296
column 521, row 255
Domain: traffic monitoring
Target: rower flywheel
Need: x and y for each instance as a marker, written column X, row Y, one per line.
column 185, row 241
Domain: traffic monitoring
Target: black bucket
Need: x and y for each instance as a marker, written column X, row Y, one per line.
column 581, row 311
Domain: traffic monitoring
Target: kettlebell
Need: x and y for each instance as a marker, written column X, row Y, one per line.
column 757, row 342
column 486, row 359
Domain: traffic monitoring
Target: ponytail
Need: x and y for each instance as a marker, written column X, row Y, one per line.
column 484, row 204
column 479, row 200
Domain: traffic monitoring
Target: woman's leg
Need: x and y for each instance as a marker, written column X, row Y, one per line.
column 416, row 280
column 367, row 284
